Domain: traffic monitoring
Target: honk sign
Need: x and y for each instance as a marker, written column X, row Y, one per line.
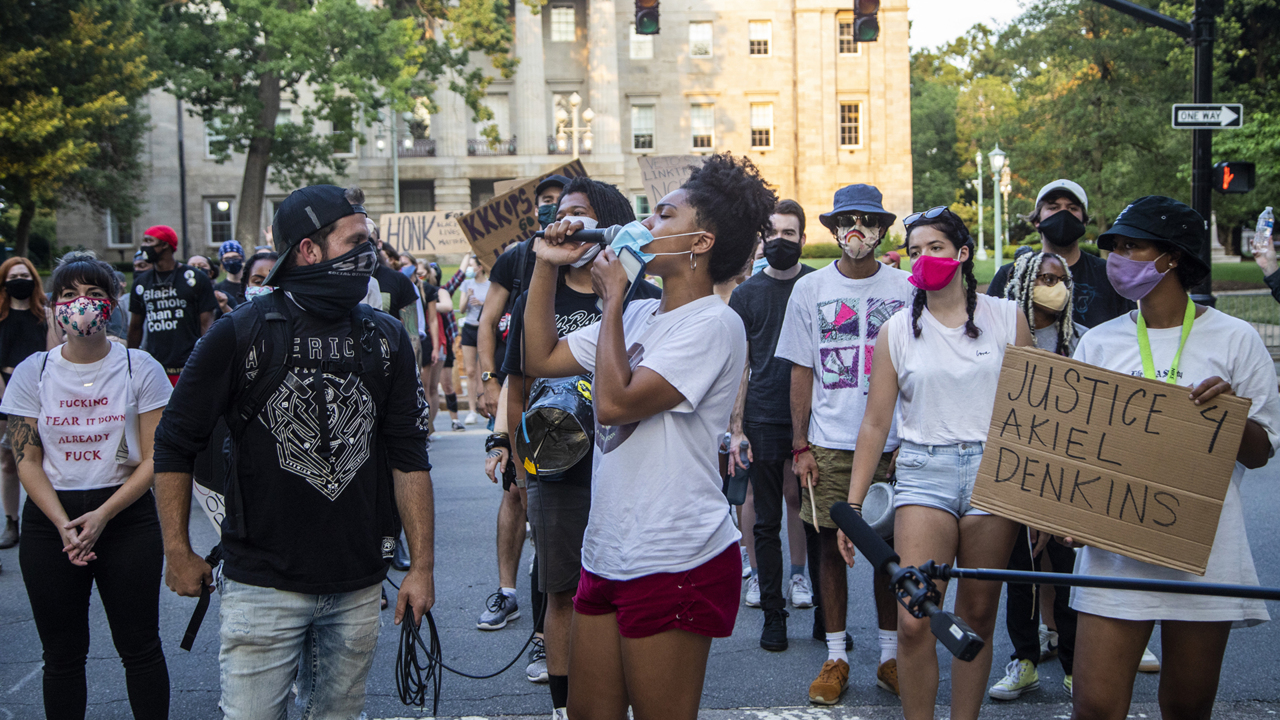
column 1119, row 462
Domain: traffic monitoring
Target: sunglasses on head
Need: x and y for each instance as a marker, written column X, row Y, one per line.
column 929, row 214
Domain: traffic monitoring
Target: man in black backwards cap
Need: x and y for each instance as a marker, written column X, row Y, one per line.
column 328, row 427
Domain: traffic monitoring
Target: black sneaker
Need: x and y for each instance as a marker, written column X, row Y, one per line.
column 774, row 636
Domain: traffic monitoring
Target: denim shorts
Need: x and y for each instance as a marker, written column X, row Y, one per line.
column 938, row 476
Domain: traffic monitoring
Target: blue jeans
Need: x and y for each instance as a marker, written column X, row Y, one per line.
column 264, row 632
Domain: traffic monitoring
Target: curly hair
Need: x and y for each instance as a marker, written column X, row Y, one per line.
column 610, row 205
column 37, row 295
column 949, row 224
column 734, row 203
column 1022, row 281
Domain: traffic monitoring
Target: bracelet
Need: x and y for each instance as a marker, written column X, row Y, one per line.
column 497, row 440
column 795, row 454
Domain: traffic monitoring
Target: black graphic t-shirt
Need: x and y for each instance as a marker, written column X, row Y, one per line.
column 397, row 290
column 761, row 302
column 1094, row 300
column 234, row 291
column 172, row 303
column 312, row 524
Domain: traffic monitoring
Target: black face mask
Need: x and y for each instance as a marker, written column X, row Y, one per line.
column 20, row 288
column 151, row 252
column 332, row 288
column 781, row 254
column 233, row 266
column 1061, row 228
column 546, row 214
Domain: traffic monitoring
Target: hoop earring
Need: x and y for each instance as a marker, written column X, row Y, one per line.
column 693, row 261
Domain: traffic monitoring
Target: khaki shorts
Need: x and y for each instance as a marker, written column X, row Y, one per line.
column 834, row 469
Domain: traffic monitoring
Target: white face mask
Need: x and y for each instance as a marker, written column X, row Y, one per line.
column 847, row 237
column 588, row 223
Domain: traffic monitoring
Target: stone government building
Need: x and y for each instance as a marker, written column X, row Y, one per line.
column 781, row 82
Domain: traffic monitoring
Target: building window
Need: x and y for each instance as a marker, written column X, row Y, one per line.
column 417, row 196
column 564, row 24
column 847, row 44
column 284, row 116
column 218, row 223
column 341, row 122
column 641, row 204
column 212, row 134
column 700, row 39
column 702, row 120
column 760, row 36
column 119, row 230
column 501, row 108
column 641, row 45
column 850, row 125
column 642, row 124
column 761, row 125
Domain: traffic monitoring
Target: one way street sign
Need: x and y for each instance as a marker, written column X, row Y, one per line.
column 1217, row 116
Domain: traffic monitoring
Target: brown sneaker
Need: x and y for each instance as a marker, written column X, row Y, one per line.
column 887, row 675
column 826, row 690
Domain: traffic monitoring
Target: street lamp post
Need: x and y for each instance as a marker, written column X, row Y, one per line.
column 575, row 130
column 982, row 244
column 1006, row 185
column 997, row 157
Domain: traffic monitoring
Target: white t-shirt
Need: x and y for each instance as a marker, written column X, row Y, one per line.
column 831, row 326
column 83, row 428
column 1228, row 348
column 656, row 499
column 946, row 379
column 478, row 290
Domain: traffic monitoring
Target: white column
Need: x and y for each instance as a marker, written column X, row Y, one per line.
column 451, row 127
column 530, row 83
column 602, row 74
column 453, row 194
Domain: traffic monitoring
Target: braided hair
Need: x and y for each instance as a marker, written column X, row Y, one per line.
column 949, row 224
column 1020, row 290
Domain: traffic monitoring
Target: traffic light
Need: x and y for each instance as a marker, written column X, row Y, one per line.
column 646, row 17
column 1233, row 177
column 866, row 28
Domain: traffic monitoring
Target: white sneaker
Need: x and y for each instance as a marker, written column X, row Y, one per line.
column 471, row 419
column 1048, row 643
column 746, row 563
column 560, row 714
column 1150, row 663
column 753, row 592
column 1020, row 676
column 801, row 593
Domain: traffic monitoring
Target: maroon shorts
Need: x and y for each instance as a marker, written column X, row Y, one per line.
column 703, row 600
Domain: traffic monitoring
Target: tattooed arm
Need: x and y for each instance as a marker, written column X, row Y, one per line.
column 24, row 436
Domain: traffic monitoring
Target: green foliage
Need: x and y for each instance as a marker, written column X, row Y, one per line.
column 820, row 250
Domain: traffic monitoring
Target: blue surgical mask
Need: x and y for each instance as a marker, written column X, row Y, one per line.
column 471, row 273
column 636, row 236
column 759, row 265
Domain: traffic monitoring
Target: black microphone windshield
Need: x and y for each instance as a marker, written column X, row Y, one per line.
column 588, row 235
column 868, row 541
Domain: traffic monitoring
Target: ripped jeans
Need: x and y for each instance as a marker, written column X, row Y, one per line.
column 267, row 636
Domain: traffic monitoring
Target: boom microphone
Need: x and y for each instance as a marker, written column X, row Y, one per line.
column 587, row 235
column 915, row 590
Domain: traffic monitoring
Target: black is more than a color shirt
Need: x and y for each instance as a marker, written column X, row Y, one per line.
column 761, row 302
column 171, row 303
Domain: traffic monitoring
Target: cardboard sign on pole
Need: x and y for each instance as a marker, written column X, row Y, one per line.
column 1119, row 462
column 424, row 232
column 663, row 173
column 509, row 217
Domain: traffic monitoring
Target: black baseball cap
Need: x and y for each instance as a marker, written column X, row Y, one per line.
column 305, row 211
column 1162, row 220
column 548, row 181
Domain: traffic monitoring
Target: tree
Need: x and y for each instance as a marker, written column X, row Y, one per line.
column 233, row 60
column 70, row 74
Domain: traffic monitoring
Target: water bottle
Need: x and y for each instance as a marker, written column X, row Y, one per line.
column 1262, row 232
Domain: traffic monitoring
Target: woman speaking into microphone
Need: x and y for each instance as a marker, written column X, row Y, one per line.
column 660, row 565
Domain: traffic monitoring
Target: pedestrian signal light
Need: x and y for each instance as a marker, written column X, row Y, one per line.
column 866, row 28
column 1233, row 177
column 647, row 17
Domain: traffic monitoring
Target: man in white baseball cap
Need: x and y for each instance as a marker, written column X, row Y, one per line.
column 1060, row 215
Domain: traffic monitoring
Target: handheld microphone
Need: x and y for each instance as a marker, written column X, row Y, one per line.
column 914, row 589
column 590, row 235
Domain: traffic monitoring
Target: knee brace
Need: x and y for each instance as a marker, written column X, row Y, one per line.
column 451, row 402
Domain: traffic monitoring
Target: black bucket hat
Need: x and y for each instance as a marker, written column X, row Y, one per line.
column 305, row 211
column 857, row 198
column 1162, row 220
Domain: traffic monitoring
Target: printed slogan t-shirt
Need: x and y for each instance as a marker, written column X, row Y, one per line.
column 172, row 303
column 831, row 326
column 83, row 428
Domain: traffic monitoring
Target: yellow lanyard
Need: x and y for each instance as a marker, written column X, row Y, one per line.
column 1144, row 345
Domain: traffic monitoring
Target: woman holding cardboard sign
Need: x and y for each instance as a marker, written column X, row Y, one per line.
column 1154, row 259
column 939, row 364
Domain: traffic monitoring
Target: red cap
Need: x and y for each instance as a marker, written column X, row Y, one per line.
column 163, row 233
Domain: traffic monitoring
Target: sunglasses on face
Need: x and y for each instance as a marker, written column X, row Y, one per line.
column 854, row 219
column 929, row 214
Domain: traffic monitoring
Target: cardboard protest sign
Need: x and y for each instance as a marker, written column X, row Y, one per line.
column 509, row 217
column 501, row 186
column 663, row 173
column 424, row 232
column 1119, row 462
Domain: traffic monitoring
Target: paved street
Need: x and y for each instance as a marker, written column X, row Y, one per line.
column 740, row 675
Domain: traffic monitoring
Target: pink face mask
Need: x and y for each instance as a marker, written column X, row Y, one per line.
column 84, row 316
column 931, row 274
column 1133, row 279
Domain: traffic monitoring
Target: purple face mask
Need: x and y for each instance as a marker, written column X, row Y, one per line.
column 1133, row 279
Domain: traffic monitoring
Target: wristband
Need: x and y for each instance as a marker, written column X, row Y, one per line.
column 497, row 440
column 795, row 454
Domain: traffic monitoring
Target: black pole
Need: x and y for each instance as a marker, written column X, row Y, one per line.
column 182, row 183
column 1203, row 26
column 944, row 572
